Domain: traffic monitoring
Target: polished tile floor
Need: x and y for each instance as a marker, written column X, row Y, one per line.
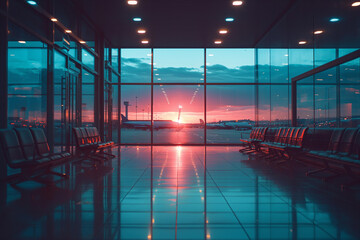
column 180, row 193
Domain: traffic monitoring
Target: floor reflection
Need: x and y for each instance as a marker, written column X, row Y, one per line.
column 179, row 193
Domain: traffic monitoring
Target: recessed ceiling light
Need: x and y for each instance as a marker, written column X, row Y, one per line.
column 229, row 19
column 32, row 3
column 53, row 19
column 68, row 31
column 334, row 19
column 237, row 3
column 132, row 2
column 141, row 31
column 22, row 42
column 217, row 41
column 145, row 41
column 302, row 42
column 223, row 31
column 82, row 42
column 137, row 19
column 355, row 4
column 318, row 32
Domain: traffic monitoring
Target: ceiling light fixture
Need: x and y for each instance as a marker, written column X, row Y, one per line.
column 53, row 19
column 82, row 42
column 302, row 42
column 318, row 32
column 132, row 2
column 237, row 3
column 22, row 42
column 32, row 3
column 68, row 31
column 141, row 31
column 145, row 41
column 137, row 19
column 355, row 4
column 229, row 19
column 218, row 42
column 223, row 31
column 334, row 19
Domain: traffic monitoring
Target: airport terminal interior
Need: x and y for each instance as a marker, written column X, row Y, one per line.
column 179, row 119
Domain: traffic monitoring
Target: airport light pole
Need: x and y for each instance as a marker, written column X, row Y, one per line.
column 180, row 107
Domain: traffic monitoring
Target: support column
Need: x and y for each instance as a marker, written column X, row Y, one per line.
column 99, row 86
column 3, row 64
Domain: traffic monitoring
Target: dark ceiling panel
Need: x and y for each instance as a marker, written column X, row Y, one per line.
column 195, row 23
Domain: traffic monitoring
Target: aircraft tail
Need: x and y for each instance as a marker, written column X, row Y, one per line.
column 124, row 119
column 202, row 122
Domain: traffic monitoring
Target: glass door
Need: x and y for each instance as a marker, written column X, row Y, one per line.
column 67, row 102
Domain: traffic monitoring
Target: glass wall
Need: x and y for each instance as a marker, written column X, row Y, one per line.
column 27, row 79
column 330, row 98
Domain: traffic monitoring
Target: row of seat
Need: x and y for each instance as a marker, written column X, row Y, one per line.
column 257, row 135
column 343, row 150
column 332, row 148
column 88, row 141
column 28, row 149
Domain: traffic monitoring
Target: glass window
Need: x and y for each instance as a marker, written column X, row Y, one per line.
column 179, row 65
column 136, row 65
column 263, row 59
column 27, row 78
column 115, row 59
column 230, row 112
column 280, row 113
column 88, row 59
column 264, row 111
column 135, row 114
column 279, row 60
column 88, row 99
column 300, row 61
column 349, row 105
column 230, row 65
column 325, row 106
column 305, row 104
column 179, row 114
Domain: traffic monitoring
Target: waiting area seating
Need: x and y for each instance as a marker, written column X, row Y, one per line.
column 336, row 150
column 28, row 150
column 88, row 143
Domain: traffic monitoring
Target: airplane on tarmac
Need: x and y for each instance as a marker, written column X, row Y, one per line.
column 227, row 125
column 146, row 124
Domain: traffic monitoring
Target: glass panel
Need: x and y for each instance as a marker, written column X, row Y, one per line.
column 115, row 59
column 115, row 113
column 230, row 113
column 59, row 80
column 135, row 65
column 279, row 59
column 230, row 65
column 135, row 114
column 300, row 61
column 263, row 65
column 178, row 114
column 325, row 106
column 88, row 59
column 305, row 104
column 280, row 105
column 179, row 65
column 350, row 72
column 264, row 110
column 350, row 105
column 88, row 99
column 27, row 78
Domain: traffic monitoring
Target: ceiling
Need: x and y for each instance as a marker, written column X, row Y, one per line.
column 195, row 23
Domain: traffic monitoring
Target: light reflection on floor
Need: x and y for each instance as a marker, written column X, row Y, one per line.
column 167, row 193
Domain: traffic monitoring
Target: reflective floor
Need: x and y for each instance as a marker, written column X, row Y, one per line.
column 180, row 193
